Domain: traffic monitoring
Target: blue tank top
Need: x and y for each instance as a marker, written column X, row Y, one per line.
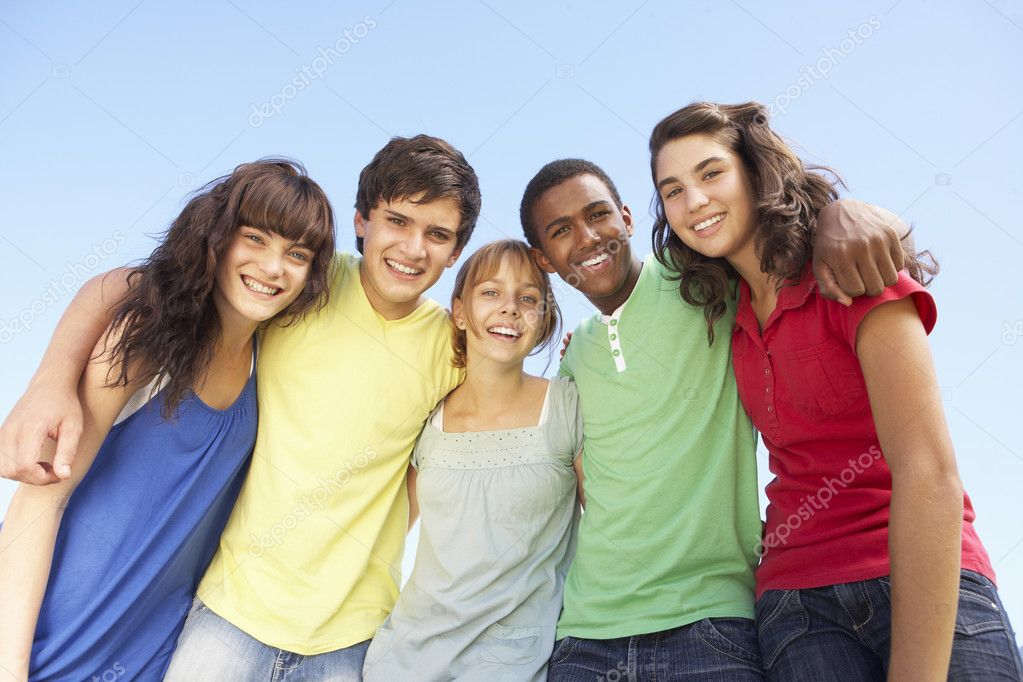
column 137, row 534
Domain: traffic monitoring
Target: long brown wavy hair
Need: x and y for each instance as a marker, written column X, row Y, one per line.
column 788, row 195
column 167, row 322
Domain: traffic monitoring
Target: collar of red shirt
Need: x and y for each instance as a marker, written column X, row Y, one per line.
column 791, row 296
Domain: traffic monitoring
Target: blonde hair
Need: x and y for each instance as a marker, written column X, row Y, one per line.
column 483, row 265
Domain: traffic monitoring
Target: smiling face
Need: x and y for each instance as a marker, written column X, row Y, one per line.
column 502, row 316
column 584, row 237
column 707, row 195
column 259, row 275
column 406, row 247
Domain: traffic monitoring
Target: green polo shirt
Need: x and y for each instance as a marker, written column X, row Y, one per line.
column 672, row 515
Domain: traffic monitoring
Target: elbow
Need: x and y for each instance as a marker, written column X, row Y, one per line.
column 939, row 483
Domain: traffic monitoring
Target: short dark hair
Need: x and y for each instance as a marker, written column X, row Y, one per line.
column 420, row 165
column 552, row 175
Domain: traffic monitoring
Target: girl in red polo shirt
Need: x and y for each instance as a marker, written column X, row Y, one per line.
column 870, row 562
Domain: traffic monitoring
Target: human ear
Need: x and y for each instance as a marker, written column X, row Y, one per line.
column 458, row 313
column 542, row 260
column 360, row 225
column 630, row 227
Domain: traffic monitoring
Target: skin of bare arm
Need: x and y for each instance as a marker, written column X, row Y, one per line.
column 413, row 502
column 925, row 525
column 33, row 519
column 580, row 478
column 50, row 409
column 858, row 249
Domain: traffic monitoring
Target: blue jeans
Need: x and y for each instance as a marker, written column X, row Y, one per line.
column 843, row 632
column 211, row 649
column 722, row 649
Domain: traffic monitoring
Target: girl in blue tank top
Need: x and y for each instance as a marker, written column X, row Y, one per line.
column 99, row 570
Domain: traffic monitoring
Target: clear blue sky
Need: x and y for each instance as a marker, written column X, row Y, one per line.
column 111, row 112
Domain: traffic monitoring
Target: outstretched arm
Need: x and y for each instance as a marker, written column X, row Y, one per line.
column 859, row 249
column 30, row 527
column 925, row 523
column 50, row 407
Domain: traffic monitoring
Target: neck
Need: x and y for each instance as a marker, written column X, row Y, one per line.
column 235, row 338
column 387, row 309
column 235, row 330
column 612, row 302
column 490, row 385
column 762, row 285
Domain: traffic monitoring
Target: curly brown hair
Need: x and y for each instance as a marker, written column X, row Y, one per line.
column 167, row 322
column 788, row 195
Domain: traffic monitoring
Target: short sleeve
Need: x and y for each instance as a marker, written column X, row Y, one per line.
column 849, row 319
column 565, row 369
column 564, row 428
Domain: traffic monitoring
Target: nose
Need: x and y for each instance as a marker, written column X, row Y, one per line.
column 414, row 246
column 510, row 306
column 696, row 200
column 272, row 265
column 588, row 235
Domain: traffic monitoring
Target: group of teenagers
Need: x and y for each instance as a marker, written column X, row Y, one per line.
column 603, row 524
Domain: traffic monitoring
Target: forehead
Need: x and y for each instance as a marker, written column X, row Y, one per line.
column 509, row 270
column 681, row 154
column 569, row 197
column 443, row 211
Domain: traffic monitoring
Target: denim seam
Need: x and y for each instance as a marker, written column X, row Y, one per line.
column 775, row 614
column 731, row 654
column 857, row 628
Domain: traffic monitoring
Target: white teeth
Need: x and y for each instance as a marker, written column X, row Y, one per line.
column 596, row 260
column 257, row 287
column 402, row 268
column 700, row 227
column 507, row 331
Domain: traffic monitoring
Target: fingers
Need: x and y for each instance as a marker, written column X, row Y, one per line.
column 67, row 446
column 21, row 456
column 828, row 283
column 889, row 269
column 30, row 444
column 870, row 275
column 898, row 257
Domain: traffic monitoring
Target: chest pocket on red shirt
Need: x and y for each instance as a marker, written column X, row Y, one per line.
column 827, row 379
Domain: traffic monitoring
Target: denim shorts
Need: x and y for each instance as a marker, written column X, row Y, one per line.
column 711, row 649
column 210, row 649
column 843, row 632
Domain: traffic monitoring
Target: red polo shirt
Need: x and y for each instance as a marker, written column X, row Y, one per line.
column 801, row 383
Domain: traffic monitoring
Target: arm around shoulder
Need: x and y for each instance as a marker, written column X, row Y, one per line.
column 49, row 408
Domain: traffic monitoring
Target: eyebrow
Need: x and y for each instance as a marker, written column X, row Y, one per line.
column 445, row 228
column 696, row 169
column 588, row 207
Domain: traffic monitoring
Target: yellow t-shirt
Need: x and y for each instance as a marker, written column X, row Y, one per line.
column 310, row 559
